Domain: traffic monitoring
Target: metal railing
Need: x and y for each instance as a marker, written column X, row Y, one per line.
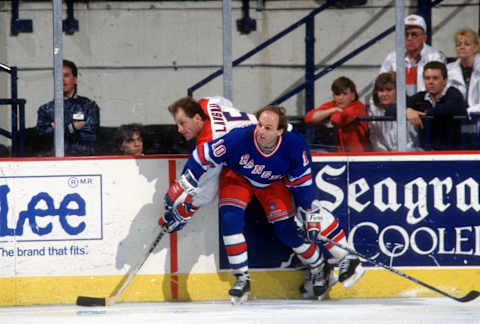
column 17, row 114
column 425, row 7
column 468, row 129
column 310, row 76
column 309, row 52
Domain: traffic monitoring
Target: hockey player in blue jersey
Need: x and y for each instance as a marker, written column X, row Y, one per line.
column 266, row 161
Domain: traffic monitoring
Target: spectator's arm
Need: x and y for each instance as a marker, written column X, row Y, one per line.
column 88, row 132
column 347, row 115
column 414, row 117
column 317, row 115
column 44, row 120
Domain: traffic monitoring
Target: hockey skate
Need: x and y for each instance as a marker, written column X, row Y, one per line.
column 241, row 288
column 350, row 270
column 318, row 281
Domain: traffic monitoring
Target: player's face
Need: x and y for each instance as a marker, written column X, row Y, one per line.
column 414, row 38
column 434, row 81
column 344, row 99
column 267, row 132
column 189, row 127
column 132, row 145
column 387, row 95
column 69, row 82
column 465, row 47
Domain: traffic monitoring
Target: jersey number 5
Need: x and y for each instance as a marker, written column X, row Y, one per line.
column 229, row 117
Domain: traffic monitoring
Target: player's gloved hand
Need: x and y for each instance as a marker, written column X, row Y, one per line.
column 178, row 203
column 310, row 223
column 172, row 221
column 182, row 191
column 175, row 218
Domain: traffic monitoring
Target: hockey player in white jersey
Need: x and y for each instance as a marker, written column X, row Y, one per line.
column 267, row 162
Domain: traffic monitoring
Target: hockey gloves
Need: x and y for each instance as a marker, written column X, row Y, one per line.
column 178, row 203
column 173, row 221
column 310, row 223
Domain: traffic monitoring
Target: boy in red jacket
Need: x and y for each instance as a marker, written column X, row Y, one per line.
column 350, row 135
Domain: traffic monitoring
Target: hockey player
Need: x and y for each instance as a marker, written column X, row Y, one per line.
column 209, row 118
column 268, row 162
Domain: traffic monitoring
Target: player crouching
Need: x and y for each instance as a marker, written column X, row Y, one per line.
column 315, row 225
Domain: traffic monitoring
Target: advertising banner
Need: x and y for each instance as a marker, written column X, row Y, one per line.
column 71, row 227
column 412, row 210
column 406, row 211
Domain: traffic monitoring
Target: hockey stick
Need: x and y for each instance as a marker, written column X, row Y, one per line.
column 468, row 297
column 109, row 301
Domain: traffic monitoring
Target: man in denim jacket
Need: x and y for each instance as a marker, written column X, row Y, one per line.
column 81, row 116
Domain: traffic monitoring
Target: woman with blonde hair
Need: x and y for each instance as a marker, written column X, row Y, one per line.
column 464, row 73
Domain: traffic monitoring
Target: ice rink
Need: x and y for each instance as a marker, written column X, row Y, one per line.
column 352, row 311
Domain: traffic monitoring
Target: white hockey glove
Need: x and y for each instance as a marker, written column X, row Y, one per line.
column 178, row 203
column 310, row 223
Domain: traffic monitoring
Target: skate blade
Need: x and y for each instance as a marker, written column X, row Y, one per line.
column 359, row 271
column 239, row 300
column 323, row 296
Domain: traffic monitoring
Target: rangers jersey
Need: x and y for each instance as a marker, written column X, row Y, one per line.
column 239, row 151
column 222, row 119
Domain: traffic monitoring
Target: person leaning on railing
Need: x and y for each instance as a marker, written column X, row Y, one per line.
column 443, row 103
column 350, row 135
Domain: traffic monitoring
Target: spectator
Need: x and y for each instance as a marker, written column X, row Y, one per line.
column 443, row 103
column 464, row 73
column 81, row 116
column 384, row 94
column 417, row 54
column 350, row 135
column 129, row 139
column 383, row 134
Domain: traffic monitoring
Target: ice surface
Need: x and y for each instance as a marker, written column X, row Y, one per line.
column 352, row 311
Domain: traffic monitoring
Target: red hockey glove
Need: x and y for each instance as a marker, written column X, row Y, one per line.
column 178, row 203
column 182, row 191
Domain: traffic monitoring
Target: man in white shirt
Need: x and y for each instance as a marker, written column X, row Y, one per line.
column 417, row 54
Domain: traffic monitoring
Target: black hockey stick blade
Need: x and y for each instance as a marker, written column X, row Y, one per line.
column 468, row 297
column 90, row 301
column 109, row 301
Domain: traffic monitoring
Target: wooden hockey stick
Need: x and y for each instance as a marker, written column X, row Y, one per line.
column 109, row 301
column 468, row 297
